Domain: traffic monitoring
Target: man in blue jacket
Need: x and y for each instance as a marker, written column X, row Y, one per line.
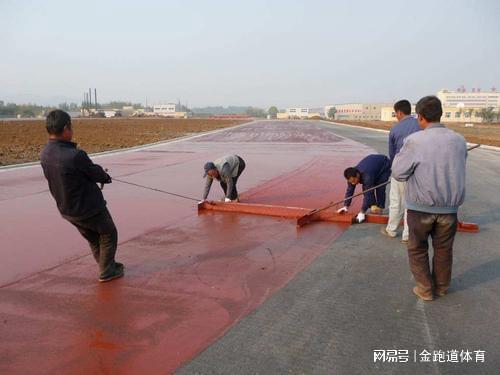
column 406, row 125
column 432, row 162
column 73, row 179
column 373, row 170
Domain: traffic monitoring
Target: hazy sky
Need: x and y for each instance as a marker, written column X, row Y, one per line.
column 255, row 52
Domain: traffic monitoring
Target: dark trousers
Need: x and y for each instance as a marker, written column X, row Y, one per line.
column 380, row 192
column 442, row 229
column 234, row 194
column 100, row 231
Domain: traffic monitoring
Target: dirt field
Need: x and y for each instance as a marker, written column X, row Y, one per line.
column 22, row 141
column 485, row 134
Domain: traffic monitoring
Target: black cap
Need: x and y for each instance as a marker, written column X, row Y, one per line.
column 208, row 166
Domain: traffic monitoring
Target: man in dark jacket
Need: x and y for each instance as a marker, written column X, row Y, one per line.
column 73, row 179
column 371, row 171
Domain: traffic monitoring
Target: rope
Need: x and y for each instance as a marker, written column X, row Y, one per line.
column 158, row 190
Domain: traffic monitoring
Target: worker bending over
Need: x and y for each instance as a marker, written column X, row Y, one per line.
column 373, row 170
column 226, row 170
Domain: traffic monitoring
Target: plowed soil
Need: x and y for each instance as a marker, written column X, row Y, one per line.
column 22, row 140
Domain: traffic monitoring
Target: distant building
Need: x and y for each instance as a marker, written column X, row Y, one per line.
column 299, row 113
column 474, row 99
column 168, row 110
column 357, row 111
column 450, row 114
column 164, row 109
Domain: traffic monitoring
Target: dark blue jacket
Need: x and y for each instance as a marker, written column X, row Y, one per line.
column 72, row 180
column 374, row 169
column 399, row 132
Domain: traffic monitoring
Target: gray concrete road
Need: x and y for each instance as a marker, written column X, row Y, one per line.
column 356, row 298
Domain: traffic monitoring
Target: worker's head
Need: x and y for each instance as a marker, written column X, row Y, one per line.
column 210, row 170
column 352, row 176
column 58, row 124
column 402, row 109
column 429, row 110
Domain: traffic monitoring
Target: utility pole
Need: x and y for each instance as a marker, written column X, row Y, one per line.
column 95, row 98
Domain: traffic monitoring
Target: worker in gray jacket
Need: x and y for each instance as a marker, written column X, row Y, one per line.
column 226, row 170
column 432, row 162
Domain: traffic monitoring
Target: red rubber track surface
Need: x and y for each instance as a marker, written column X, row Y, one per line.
column 189, row 277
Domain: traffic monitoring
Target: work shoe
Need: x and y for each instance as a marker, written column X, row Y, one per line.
column 404, row 241
column 422, row 296
column 441, row 292
column 384, row 231
column 118, row 272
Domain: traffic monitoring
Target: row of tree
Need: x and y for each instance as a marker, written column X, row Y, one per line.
column 23, row 110
column 35, row 110
column 488, row 115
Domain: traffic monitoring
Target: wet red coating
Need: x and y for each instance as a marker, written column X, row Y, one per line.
column 188, row 278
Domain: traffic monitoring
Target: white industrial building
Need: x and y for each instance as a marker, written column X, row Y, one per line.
column 450, row 114
column 299, row 113
column 357, row 111
column 473, row 99
column 164, row 109
column 168, row 110
column 458, row 106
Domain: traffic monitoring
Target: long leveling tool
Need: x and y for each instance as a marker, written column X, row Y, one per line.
column 313, row 215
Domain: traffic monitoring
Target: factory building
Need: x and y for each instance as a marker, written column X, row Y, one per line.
column 458, row 106
column 168, row 110
column 450, row 114
column 474, row 99
column 357, row 111
column 299, row 113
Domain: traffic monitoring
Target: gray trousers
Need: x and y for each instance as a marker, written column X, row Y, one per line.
column 102, row 236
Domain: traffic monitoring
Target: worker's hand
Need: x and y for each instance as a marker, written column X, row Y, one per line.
column 109, row 180
column 360, row 217
column 375, row 209
column 227, row 200
column 342, row 210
